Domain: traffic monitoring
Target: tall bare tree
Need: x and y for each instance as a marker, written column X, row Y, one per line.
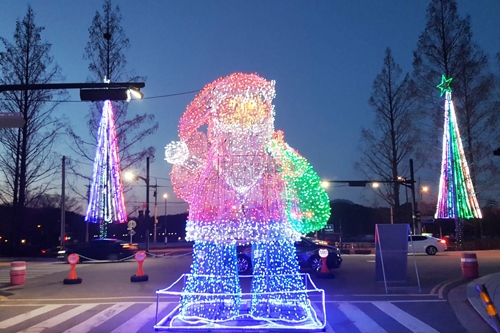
column 105, row 51
column 388, row 144
column 446, row 47
column 27, row 161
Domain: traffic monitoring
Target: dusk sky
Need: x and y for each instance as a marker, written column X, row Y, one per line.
column 323, row 55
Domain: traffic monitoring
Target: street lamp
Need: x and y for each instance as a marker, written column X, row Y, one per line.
column 165, row 196
column 424, row 189
column 130, row 176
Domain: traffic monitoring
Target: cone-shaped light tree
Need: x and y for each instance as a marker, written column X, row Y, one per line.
column 106, row 201
column 456, row 199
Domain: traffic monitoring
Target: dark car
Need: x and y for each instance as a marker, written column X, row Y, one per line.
column 307, row 251
column 51, row 252
column 101, row 249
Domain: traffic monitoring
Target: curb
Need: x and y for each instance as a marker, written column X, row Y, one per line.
column 492, row 283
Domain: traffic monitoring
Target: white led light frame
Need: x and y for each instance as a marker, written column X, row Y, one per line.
column 174, row 321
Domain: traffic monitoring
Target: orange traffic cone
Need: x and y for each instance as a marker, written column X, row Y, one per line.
column 324, row 272
column 139, row 276
column 72, row 278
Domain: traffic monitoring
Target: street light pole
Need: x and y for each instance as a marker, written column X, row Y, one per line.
column 165, row 196
column 155, row 194
column 147, row 188
column 414, row 208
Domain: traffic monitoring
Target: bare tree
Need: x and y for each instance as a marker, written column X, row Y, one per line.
column 27, row 161
column 387, row 145
column 105, row 51
column 54, row 201
column 446, row 47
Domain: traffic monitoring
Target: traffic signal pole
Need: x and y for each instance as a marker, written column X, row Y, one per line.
column 414, row 208
column 416, row 222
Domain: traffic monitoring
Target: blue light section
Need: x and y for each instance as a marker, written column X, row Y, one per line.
column 212, row 290
column 278, row 291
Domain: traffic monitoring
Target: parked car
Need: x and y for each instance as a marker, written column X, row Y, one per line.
column 307, row 251
column 51, row 252
column 425, row 244
column 101, row 249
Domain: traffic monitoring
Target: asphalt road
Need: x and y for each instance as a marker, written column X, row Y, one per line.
column 107, row 301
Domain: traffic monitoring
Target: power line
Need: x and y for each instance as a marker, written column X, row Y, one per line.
column 78, row 101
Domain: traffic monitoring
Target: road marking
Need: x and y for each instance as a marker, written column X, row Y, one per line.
column 442, row 287
column 135, row 323
column 392, row 301
column 142, row 318
column 404, row 318
column 40, row 327
column 99, row 318
column 28, row 315
column 360, row 319
column 435, row 288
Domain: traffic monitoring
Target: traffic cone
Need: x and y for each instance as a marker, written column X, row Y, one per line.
column 324, row 272
column 72, row 278
column 139, row 276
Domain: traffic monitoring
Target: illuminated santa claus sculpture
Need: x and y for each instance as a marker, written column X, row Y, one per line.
column 244, row 185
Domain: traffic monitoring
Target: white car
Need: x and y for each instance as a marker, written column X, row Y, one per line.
column 425, row 244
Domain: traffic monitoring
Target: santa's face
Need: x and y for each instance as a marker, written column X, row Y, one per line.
column 249, row 120
column 243, row 111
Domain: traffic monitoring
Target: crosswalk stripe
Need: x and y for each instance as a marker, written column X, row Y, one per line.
column 58, row 319
column 99, row 318
column 143, row 315
column 405, row 318
column 28, row 315
column 360, row 319
column 140, row 319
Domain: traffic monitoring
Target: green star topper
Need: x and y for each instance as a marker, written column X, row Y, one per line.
column 444, row 85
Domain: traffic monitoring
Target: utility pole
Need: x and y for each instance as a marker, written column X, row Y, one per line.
column 414, row 207
column 63, row 207
column 155, row 194
column 86, row 222
column 165, row 196
column 147, row 188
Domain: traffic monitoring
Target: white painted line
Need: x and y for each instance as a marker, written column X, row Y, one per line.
column 140, row 319
column 42, row 300
column 404, row 318
column 99, row 318
column 28, row 315
column 360, row 319
column 49, row 323
column 392, row 301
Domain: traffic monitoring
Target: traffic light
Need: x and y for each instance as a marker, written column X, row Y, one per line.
column 114, row 94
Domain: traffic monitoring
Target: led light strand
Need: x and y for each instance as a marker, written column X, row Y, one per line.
column 456, row 196
column 243, row 184
column 277, row 287
column 212, row 290
column 308, row 205
column 106, row 201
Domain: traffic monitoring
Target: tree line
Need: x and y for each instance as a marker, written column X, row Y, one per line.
column 409, row 112
column 28, row 163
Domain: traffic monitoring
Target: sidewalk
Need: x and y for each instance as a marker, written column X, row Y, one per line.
column 492, row 283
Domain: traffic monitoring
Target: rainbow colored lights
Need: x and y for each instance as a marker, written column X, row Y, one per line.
column 242, row 181
column 456, row 198
column 244, row 184
column 106, row 202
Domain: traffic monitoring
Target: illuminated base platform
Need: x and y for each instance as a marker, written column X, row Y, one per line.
column 312, row 318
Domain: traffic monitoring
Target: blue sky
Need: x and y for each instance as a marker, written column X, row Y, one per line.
column 324, row 56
